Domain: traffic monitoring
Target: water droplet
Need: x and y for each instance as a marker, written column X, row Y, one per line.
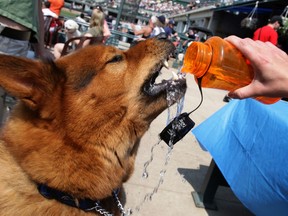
column 145, row 175
column 150, row 197
column 162, row 173
column 128, row 212
column 146, row 197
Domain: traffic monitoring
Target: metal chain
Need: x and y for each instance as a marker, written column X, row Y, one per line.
column 98, row 208
column 119, row 205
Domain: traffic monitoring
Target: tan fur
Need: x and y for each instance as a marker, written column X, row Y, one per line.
column 77, row 126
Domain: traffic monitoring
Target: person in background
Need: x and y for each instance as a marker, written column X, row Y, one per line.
column 145, row 31
column 96, row 28
column 51, row 25
column 192, row 5
column 269, row 32
column 82, row 22
column 46, row 10
column 21, row 26
column 270, row 69
column 158, row 26
column 169, row 29
column 106, row 30
column 192, row 35
column 81, row 18
column 171, row 33
column 71, row 31
column 56, row 6
column 109, row 20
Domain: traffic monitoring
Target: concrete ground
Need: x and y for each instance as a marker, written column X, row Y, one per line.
column 181, row 171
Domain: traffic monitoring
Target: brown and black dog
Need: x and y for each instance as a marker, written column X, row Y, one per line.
column 74, row 134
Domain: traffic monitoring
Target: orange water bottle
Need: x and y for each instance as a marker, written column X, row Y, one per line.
column 221, row 66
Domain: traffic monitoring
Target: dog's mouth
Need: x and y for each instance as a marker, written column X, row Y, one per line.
column 175, row 87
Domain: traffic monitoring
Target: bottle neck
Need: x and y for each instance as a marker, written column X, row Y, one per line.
column 197, row 59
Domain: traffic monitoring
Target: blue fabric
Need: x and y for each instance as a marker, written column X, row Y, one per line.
column 168, row 30
column 248, row 142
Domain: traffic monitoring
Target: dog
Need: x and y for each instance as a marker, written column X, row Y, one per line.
column 72, row 138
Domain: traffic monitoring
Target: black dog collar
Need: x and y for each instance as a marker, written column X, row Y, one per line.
column 65, row 198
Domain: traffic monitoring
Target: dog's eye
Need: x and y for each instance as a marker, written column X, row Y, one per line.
column 116, row 58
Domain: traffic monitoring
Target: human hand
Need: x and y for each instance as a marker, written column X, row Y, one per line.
column 270, row 65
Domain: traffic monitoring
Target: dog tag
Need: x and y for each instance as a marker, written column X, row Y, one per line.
column 177, row 129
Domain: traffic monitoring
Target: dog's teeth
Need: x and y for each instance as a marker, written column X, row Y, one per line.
column 175, row 76
column 165, row 64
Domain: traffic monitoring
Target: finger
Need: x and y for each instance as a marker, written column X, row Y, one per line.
column 244, row 92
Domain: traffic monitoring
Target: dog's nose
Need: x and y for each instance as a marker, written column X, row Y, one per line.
column 161, row 36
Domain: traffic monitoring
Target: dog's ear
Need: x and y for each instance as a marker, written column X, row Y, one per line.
column 28, row 80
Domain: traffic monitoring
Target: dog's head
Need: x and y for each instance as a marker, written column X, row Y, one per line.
column 86, row 107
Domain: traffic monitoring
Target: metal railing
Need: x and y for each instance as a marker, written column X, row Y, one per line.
column 120, row 39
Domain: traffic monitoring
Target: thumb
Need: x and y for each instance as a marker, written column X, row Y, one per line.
column 244, row 92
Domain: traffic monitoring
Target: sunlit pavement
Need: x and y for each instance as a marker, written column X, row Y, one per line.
column 180, row 172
